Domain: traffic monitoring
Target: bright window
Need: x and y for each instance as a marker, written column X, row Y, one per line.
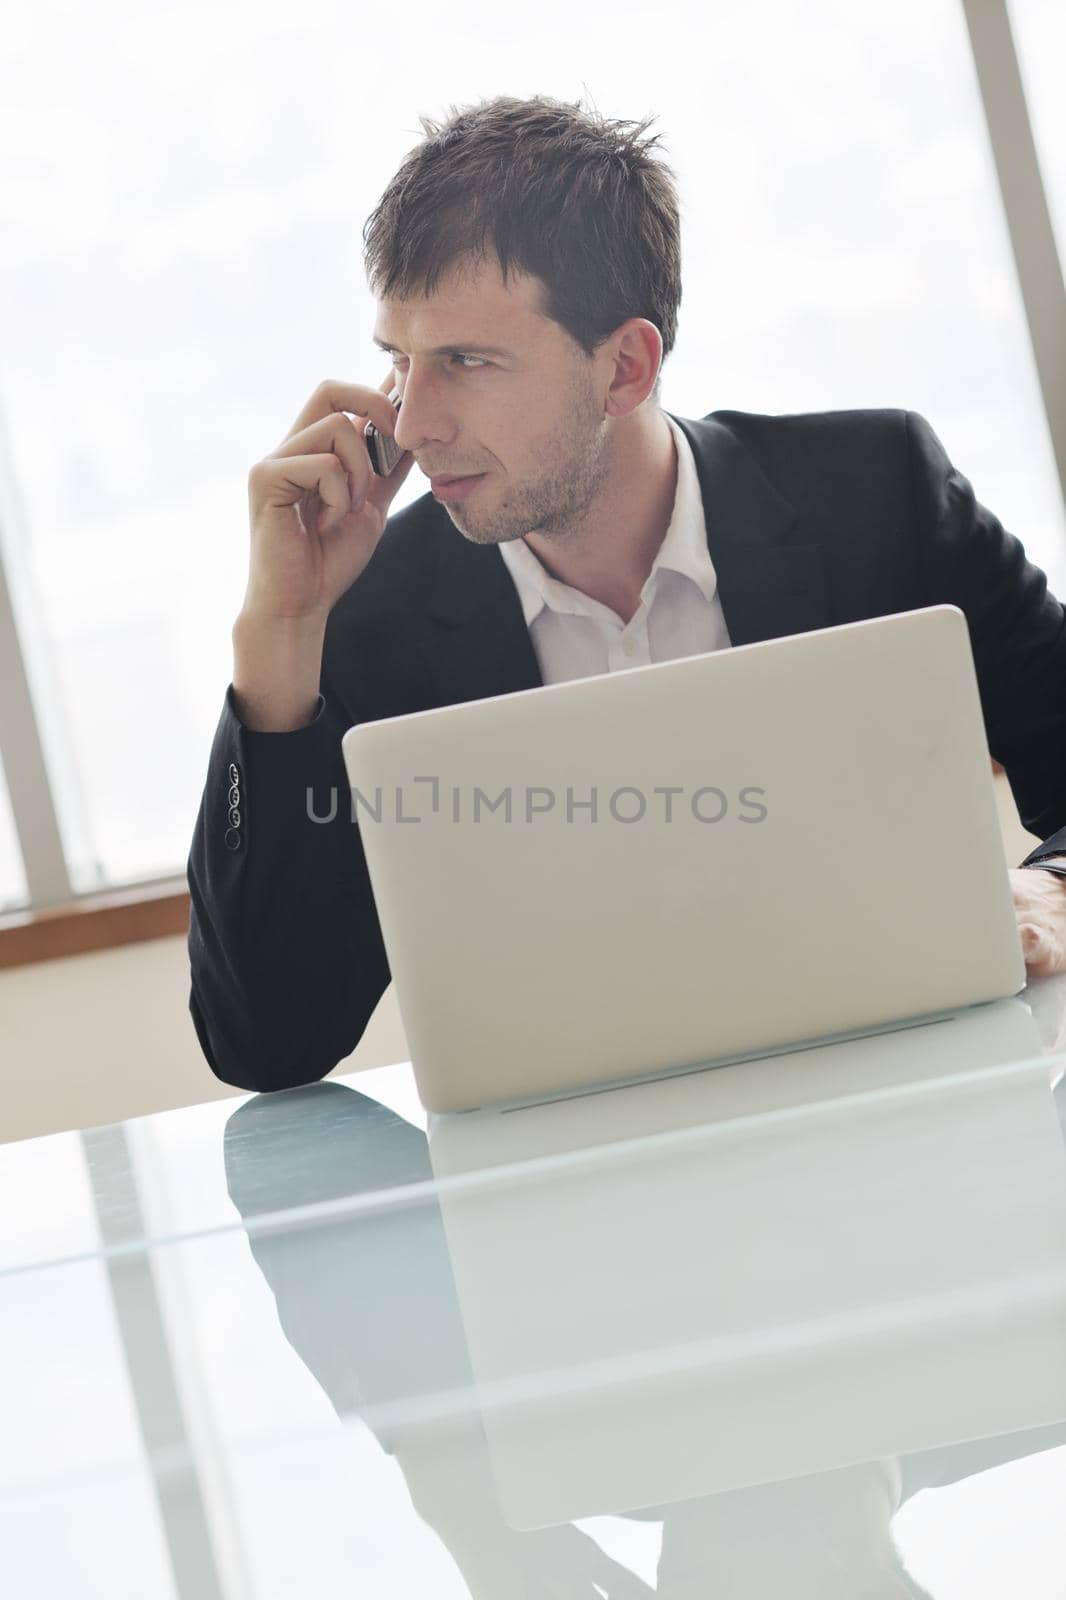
column 186, row 191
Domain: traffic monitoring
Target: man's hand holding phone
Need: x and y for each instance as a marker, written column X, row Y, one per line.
column 317, row 509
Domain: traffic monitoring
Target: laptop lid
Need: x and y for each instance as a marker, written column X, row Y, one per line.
column 694, row 861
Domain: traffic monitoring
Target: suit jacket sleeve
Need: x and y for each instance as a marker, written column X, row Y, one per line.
column 1017, row 630
column 285, row 948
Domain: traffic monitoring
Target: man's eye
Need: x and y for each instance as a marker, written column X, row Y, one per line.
column 468, row 363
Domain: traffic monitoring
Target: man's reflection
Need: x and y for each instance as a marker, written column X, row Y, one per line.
column 368, row 1302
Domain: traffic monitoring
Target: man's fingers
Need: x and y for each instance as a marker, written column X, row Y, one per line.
column 285, row 482
column 1040, row 912
column 332, row 396
column 333, row 435
column 1044, row 952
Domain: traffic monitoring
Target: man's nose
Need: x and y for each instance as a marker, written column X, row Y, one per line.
column 424, row 416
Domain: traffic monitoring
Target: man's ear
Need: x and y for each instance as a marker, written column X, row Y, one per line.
column 636, row 353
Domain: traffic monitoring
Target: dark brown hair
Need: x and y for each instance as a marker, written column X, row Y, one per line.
column 555, row 190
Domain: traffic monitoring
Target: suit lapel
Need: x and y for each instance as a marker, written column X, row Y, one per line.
column 479, row 645
column 770, row 583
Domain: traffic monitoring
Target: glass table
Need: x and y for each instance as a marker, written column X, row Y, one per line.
column 795, row 1327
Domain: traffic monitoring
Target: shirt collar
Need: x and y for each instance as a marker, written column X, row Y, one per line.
column 683, row 550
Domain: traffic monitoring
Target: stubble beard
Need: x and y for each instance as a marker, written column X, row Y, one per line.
column 555, row 503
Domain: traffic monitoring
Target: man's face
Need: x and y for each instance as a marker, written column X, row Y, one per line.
column 491, row 386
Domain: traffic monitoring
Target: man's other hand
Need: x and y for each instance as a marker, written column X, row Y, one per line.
column 1040, row 909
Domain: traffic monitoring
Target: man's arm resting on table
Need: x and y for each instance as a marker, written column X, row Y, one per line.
column 285, row 948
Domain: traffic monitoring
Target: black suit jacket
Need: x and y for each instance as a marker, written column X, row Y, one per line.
column 812, row 521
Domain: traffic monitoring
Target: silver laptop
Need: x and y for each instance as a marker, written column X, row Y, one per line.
column 684, row 864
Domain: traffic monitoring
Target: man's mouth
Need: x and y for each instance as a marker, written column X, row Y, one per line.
column 453, row 487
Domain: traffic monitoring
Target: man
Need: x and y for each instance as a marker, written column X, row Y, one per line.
column 526, row 263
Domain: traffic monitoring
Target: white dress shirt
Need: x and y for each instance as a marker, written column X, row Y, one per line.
column 679, row 613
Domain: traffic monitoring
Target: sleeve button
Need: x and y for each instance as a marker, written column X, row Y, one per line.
column 234, row 795
column 234, row 775
column 233, row 839
column 234, row 817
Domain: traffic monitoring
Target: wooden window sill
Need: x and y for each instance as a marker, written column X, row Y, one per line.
column 95, row 922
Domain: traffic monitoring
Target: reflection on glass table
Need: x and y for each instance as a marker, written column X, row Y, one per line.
column 768, row 1330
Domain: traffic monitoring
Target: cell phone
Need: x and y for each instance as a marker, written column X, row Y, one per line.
column 383, row 451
